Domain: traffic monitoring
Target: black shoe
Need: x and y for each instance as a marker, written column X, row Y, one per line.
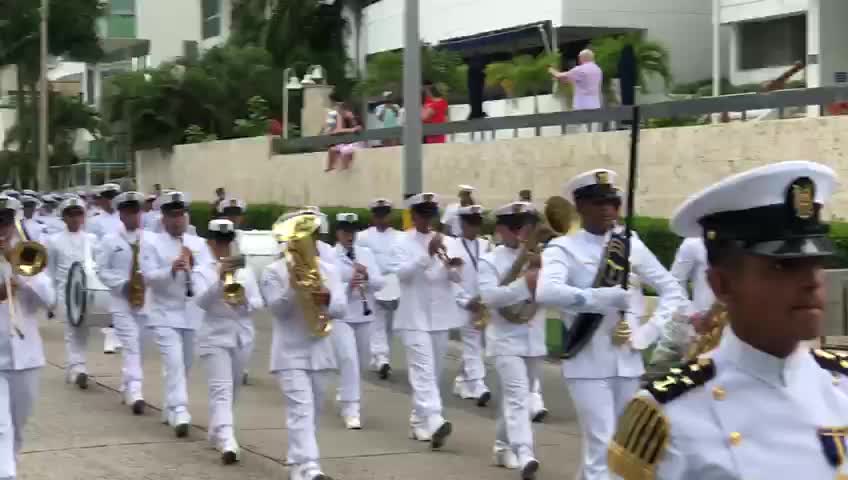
column 181, row 430
column 440, row 435
column 322, row 476
column 528, row 472
column 484, row 399
column 244, row 378
column 51, row 315
column 229, row 458
column 540, row 416
column 385, row 371
column 82, row 381
column 138, row 407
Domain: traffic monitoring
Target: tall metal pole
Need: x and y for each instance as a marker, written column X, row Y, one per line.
column 413, row 129
column 42, row 174
column 716, row 48
column 285, row 119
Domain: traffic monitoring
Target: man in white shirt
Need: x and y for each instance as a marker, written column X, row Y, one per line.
column 603, row 358
column 470, row 383
column 168, row 261
column 450, row 219
column 63, row 250
column 106, row 221
column 226, row 333
column 35, row 228
column 302, row 355
column 152, row 216
column 426, row 269
column 118, row 263
column 361, row 276
column 518, row 346
column 21, row 348
column 380, row 238
column 47, row 214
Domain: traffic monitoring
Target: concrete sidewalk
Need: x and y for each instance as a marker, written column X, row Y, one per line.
column 89, row 435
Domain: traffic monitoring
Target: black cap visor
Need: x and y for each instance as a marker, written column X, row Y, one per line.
column 802, row 247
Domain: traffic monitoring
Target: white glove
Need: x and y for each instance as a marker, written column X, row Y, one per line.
column 610, row 297
column 644, row 336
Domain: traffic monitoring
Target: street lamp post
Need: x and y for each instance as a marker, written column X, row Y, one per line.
column 290, row 82
column 413, row 129
column 42, row 173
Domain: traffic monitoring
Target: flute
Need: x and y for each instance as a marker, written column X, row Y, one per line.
column 366, row 309
column 189, row 291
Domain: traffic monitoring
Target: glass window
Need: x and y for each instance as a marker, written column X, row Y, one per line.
column 772, row 43
column 121, row 26
column 211, row 13
column 125, row 7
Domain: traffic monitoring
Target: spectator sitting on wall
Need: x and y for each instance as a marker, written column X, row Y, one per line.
column 341, row 121
column 388, row 113
column 435, row 110
column 220, row 195
column 587, row 78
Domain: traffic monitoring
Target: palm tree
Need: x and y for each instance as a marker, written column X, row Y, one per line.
column 385, row 72
column 652, row 59
column 522, row 76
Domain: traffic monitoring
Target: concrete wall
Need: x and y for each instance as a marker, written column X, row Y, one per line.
column 675, row 162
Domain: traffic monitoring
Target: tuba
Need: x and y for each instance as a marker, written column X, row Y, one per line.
column 302, row 261
column 559, row 214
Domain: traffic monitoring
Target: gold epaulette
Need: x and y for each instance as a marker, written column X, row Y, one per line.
column 680, row 380
column 639, row 440
column 832, row 360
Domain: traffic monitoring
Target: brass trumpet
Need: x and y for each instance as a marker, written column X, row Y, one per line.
column 442, row 253
column 234, row 293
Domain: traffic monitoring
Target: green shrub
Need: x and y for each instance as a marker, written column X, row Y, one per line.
column 654, row 232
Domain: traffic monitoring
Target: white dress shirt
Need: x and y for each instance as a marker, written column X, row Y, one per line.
column 381, row 245
column 63, row 250
column 114, row 264
column 690, row 265
column 775, row 407
column 293, row 346
column 375, row 281
column 450, row 217
column 170, row 306
column 52, row 224
column 502, row 336
column 470, row 251
column 35, row 228
column 152, row 220
column 104, row 224
column 570, row 264
column 32, row 295
column 427, row 301
column 224, row 325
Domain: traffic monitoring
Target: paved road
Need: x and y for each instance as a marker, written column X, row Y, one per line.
column 89, row 435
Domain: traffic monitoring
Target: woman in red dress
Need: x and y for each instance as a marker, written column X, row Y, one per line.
column 435, row 110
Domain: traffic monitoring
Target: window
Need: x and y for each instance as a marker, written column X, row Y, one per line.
column 121, row 20
column 211, row 14
column 772, row 43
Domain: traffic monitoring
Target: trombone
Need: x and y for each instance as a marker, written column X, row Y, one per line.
column 26, row 258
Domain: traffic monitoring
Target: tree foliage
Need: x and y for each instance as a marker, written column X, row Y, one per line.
column 444, row 68
column 652, row 58
column 523, row 75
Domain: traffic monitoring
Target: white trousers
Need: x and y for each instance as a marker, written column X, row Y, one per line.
column 176, row 345
column 381, row 338
column 18, row 391
column 513, row 427
column 129, row 328
column 425, row 358
column 352, row 344
column 304, row 392
column 76, row 344
column 599, row 402
column 224, row 367
column 472, row 371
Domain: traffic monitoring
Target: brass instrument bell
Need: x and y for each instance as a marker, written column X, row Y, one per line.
column 234, row 292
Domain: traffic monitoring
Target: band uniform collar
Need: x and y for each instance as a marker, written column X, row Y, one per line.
column 778, row 372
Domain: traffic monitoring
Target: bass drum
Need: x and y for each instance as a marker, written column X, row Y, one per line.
column 260, row 249
column 86, row 299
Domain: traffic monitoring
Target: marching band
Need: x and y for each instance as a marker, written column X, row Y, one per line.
column 336, row 308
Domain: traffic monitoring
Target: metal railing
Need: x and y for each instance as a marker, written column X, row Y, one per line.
column 778, row 100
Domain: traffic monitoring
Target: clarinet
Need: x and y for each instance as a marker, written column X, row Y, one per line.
column 189, row 291
column 366, row 309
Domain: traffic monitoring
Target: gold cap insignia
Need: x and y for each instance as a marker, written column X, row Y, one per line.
column 517, row 208
column 602, row 177
column 234, row 203
column 427, row 197
column 802, row 195
column 711, row 234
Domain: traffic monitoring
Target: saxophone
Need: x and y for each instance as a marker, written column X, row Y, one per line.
column 136, row 288
column 558, row 216
column 481, row 318
column 304, row 274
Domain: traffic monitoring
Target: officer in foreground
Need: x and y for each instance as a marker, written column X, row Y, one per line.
column 761, row 405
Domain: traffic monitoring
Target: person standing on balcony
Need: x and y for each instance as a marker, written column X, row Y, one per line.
column 435, row 110
column 586, row 78
column 388, row 113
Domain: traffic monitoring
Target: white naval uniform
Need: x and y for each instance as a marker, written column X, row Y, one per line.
column 690, row 265
column 35, row 228
column 114, row 264
column 302, row 362
column 381, row 245
column 104, row 223
column 64, row 249
column 52, row 224
column 518, row 351
column 602, row 378
column 173, row 316
column 426, row 313
column 352, row 334
column 225, row 339
column 471, row 380
column 775, row 407
column 450, row 218
column 152, row 220
column 21, row 360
